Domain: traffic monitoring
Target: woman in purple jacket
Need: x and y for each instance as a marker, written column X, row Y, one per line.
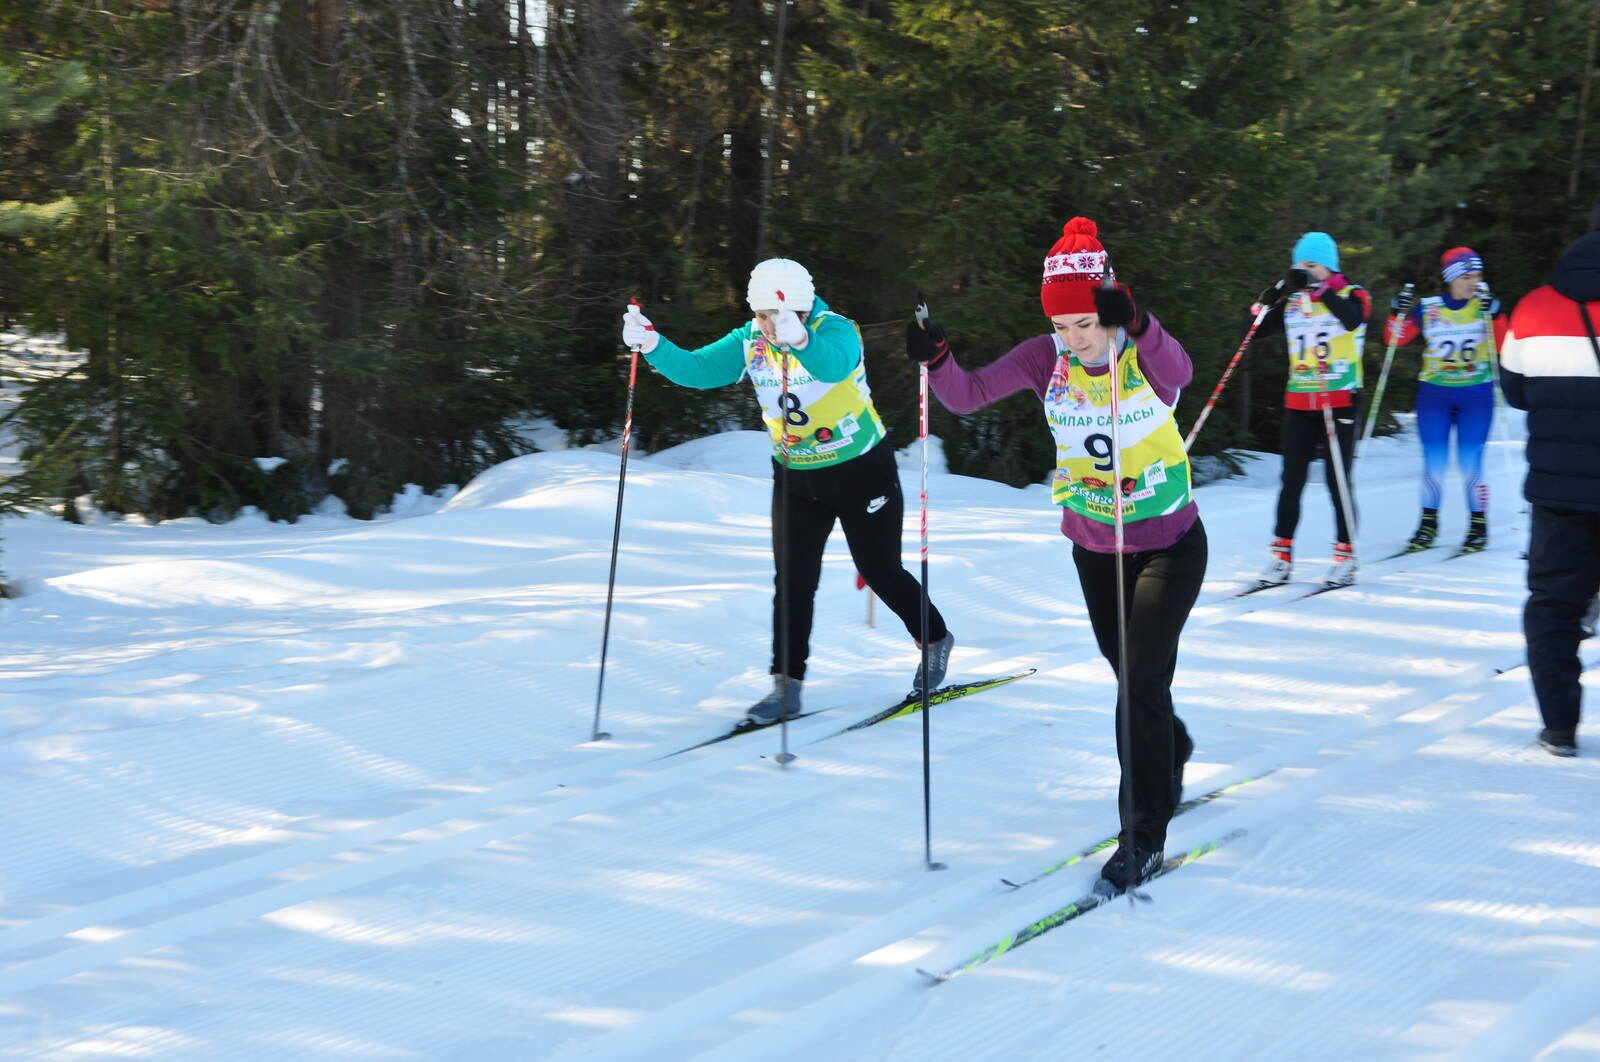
column 1165, row 544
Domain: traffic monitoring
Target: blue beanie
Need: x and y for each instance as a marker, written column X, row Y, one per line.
column 1317, row 247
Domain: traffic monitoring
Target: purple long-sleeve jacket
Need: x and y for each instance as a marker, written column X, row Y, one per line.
column 1029, row 365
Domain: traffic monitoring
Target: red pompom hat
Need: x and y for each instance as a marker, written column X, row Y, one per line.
column 1075, row 266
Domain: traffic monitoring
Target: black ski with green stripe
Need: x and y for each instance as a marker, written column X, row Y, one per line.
column 1062, row 915
column 1111, row 842
column 910, row 704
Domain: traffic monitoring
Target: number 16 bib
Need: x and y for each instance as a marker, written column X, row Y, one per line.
column 1323, row 356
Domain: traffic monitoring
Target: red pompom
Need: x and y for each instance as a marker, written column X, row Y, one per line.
column 1080, row 226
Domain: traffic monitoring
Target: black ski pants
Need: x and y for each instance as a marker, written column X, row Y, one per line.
column 1305, row 434
column 1161, row 588
column 864, row 496
column 1563, row 575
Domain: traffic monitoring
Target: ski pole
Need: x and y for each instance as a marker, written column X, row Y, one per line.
column 1227, row 373
column 1124, row 709
column 785, row 757
column 1502, row 413
column 1403, row 304
column 1336, row 454
column 616, row 535
column 927, row 726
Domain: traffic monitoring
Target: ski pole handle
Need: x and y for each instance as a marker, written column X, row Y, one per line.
column 633, row 304
column 1402, row 304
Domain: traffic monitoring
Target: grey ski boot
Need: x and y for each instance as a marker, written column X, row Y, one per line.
column 784, row 700
column 938, row 664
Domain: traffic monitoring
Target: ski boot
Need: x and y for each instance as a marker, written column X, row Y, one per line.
column 1477, row 534
column 784, row 700
column 938, row 664
column 1281, row 566
column 1426, row 532
column 1343, row 572
column 1591, row 618
column 1129, row 865
column 1559, row 742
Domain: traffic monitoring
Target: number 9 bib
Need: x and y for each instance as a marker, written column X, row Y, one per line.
column 1155, row 468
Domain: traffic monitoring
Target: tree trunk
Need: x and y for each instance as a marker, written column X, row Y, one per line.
column 1583, row 102
column 773, row 116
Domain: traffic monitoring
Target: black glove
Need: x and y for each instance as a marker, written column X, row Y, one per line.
column 1401, row 303
column 1296, row 279
column 1272, row 295
column 1118, row 310
column 1486, row 299
column 926, row 343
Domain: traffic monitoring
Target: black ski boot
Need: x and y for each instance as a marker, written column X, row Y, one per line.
column 1477, row 534
column 1130, row 865
column 1559, row 742
column 1426, row 532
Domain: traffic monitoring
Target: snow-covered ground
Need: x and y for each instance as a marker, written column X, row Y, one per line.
column 324, row 790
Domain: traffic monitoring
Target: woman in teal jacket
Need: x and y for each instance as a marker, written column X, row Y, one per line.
column 841, row 468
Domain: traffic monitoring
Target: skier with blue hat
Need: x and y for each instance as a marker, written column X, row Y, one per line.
column 1323, row 318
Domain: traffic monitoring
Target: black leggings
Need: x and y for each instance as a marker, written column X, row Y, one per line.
column 864, row 496
column 1305, row 434
column 1162, row 585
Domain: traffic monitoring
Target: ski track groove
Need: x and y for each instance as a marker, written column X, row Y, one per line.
column 1398, row 935
column 339, row 752
column 277, row 864
column 498, row 899
column 866, row 992
column 570, row 962
column 975, row 890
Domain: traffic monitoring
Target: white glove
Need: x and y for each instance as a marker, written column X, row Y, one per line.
column 637, row 331
column 790, row 330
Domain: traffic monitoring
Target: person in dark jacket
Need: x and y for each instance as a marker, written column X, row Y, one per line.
column 1550, row 366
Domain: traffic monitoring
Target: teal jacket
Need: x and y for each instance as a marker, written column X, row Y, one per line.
column 832, row 354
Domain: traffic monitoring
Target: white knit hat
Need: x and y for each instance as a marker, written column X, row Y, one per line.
column 778, row 283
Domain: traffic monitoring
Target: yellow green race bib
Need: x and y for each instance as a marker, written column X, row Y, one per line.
column 826, row 423
column 1323, row 355
column 1155, row 468
column 1457, row 351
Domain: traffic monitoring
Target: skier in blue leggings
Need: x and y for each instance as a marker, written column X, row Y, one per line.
column 1461, row 328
